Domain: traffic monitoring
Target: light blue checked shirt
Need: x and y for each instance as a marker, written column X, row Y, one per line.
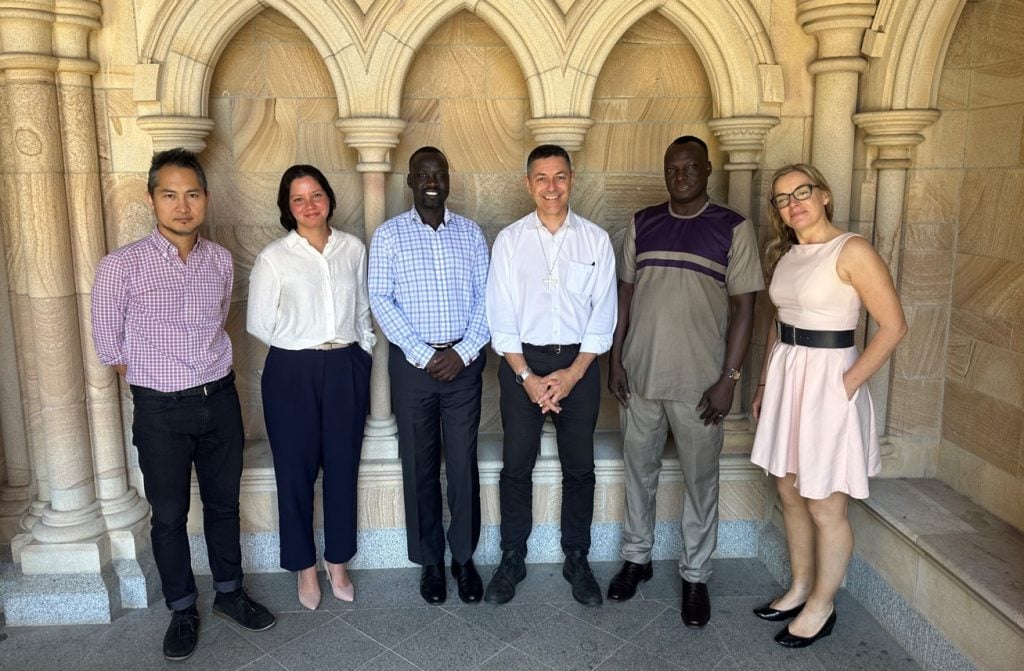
column 428, row 286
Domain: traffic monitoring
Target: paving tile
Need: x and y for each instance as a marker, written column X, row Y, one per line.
column 510, row 659
column 336, row 645
column 277, row 591
column 741, row 577
column 289, row 626
column 666, row 637
column 376, row 588
column 620, row 619
column 543, row 584
column 565, row 642
column 388, row 661
column 631, row 658
column 264, row 663
column 449, row 643
column 859, row 642
column 507, row 622
column 666, row 582
column 391, row 626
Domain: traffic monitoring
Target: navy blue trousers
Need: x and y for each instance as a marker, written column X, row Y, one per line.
column 315, row 405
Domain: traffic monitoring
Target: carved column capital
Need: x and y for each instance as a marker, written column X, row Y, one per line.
column 743, row 138
column 168, row 132
column 373, row 138
column 567, row 132
column 839, row 26
column 895, row 133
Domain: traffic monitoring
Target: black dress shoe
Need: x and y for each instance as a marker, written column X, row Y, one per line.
column 696, row 609
column 766, row 612
column 623, row 585
column 577, row 571
column 471, row 587
column 182, row 634
column 239, row 607
column 510, row 572
column 433, row 584
column 788, row 640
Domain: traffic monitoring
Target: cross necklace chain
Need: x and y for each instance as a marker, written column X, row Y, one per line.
column 550, row 282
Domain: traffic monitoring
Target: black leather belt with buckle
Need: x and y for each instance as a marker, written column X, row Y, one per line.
column 549, row 349
column 792, row 335
column 208, row 389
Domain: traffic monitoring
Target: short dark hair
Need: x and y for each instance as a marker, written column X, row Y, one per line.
column 547, row 151
column 687, row 139
column 426, row 150
column 178, row 157
column 284, row 190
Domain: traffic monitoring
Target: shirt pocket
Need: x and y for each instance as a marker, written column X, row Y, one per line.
column 577, row 276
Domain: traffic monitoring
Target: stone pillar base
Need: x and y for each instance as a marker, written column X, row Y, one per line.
column 89, row 556
column 138, row 580
column 84, row 598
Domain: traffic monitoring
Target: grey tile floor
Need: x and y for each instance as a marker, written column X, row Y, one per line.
column 390, row 628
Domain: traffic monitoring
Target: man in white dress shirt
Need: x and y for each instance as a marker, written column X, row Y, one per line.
column 551, row 308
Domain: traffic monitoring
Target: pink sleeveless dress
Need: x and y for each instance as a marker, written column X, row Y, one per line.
column 807, row 426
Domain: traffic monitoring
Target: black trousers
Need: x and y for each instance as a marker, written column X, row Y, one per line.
column 430, row 413
column 522, row 421
column 315, row 405
column 171, row 433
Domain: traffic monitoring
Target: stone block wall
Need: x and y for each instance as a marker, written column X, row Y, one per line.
column 965, row 215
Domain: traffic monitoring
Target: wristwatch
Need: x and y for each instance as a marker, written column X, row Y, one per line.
column 732, row 373
column 523, row 374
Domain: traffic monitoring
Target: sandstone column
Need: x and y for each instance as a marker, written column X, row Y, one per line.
column 120, row 504
column 374, row 138
column 839, row 26
column 16, row 477
column 894, row 134
column 67, row 534
column 743, row 139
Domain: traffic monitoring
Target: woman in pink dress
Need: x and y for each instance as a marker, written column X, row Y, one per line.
column 816, row 425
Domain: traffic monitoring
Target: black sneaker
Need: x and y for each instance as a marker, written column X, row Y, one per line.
column 577, row 571
column 510, row 572
column 238, row 607
column 182, row 634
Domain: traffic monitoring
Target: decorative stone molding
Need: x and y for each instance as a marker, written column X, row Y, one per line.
column 568, row 132
column 169, row 132
column 743, row 138
column 895, row 133
column 373, row 138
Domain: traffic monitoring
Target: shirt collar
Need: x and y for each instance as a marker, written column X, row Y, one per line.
column 293, row 239
column 416, row 218
column 165, row 247
column 570, row 220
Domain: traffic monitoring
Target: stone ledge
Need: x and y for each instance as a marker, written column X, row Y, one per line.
column 956, row 565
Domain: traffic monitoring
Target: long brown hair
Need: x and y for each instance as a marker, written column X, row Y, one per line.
column 782, row 236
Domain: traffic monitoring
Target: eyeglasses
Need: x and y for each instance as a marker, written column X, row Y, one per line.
column 802, row 192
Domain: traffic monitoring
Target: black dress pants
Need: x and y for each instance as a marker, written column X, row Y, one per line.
column 522, row 421
column 431, row 413
column 173, row 431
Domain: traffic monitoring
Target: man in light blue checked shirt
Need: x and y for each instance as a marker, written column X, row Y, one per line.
column 428, row 279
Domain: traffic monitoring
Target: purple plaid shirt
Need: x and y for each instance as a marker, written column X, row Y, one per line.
column 161, row 317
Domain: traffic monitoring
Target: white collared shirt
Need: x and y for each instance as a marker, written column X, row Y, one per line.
column 577, row 305
column 300, row 298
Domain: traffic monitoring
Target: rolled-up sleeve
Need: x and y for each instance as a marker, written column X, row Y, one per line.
column 108, row 309
column 501, row 311
column 597, row 336
column 264, row 294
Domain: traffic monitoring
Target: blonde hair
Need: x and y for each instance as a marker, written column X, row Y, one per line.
column 782, row 236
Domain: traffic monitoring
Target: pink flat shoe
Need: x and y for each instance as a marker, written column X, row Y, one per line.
column 341, row 592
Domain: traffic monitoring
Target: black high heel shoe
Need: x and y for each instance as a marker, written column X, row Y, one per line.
column 766, row 612
column 788, row 640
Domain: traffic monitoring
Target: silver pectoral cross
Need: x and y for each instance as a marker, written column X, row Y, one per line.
column 551, row 283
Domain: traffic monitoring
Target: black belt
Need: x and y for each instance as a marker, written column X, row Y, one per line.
column 792, row 335
column 549, row 349
column 444, row 345
column 208, row 389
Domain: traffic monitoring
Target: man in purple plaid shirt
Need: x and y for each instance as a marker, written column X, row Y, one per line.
column 158, row 310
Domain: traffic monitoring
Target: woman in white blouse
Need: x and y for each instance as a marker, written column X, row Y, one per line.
column 308, row 302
